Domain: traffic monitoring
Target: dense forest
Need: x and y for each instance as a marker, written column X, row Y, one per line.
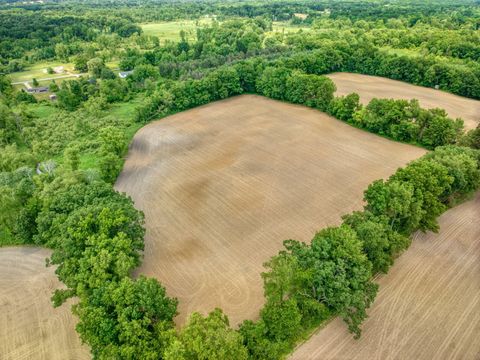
column 59, row 159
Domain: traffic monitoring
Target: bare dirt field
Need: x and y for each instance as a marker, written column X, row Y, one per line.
column 428, row 306
column 369, row 87
column 30, row 328
column 224, row 184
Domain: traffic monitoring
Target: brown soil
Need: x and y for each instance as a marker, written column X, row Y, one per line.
column 369, row 87
column 30, row 328
column 224, row 184
column 428, row 306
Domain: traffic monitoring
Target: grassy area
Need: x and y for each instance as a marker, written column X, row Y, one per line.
column 170, row 30
column 42, row 110
column 112, row 64
column 38, row 71
column 461, row 63
column 126, row 111
column 283, row 26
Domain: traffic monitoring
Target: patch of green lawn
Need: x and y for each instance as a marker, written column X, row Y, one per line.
column 170, row 30
column 37, row 71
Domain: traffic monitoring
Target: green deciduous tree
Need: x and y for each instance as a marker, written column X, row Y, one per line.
column 339, row 273
column 344, row 107
column 310, row 90
column 380, row 242
column 209, row 338
column 273, row 82
column 430, row 181
column 126, row 320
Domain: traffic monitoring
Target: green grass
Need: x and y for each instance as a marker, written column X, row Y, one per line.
column 283, row 26
column 170, row 30
column 42, row 110
column 418, row 52
column 37, row 71
column 113, row 64
column 88, row 160
column 126, row 111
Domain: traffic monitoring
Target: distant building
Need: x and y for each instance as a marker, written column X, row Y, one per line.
column 124, row 74
column 35, row 90
column 59, row 69
column 53, row 97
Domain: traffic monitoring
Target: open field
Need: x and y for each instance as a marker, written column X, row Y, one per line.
column 369, row 87
column 37, row 71
column 224, row 184
column 30, row 328
column 428, row 306
column 170, row 30
column 284, row 26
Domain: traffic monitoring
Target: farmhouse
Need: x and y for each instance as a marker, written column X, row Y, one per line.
column 124, row 74
column 40, row 89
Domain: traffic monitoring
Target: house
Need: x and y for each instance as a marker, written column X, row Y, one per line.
column 53, row 97
column 35, row 90
column 58, row 69
column 124, row 74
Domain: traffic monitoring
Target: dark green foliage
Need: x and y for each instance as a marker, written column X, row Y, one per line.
column 405, row 121
column 380, row 242
column 23, row 96
column 472, row 138
column 310, row 90
column 73, row 92
column 282, row 320
column 463, row 165
column 125, row 320
column 9, row 131
column 114, row 90
column 18, row 204
column 207, row 338
column 259, row 346
column 431, row 182
column 344, row 107
column 273, row 82
column 339, row 273
column 397, row 201
column 112, row 148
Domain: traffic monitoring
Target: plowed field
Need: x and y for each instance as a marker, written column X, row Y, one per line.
column 224, row 184
column 30, row 328
column 369, row 87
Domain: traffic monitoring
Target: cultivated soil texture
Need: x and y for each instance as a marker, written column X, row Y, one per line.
column 369, row 87
column 428, row 306
column 224, row 184
column 30, row 328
